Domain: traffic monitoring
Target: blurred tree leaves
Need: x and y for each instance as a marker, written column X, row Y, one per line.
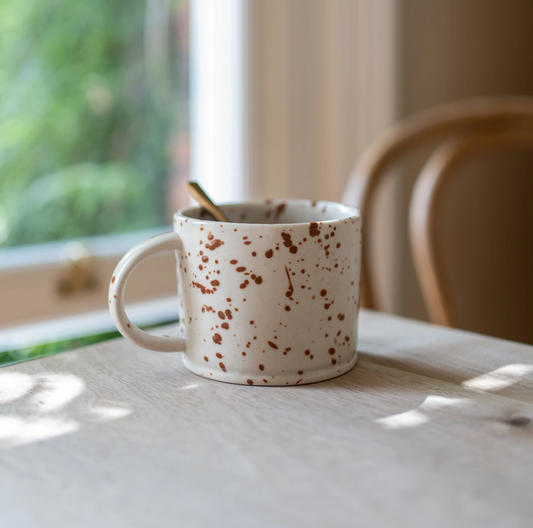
column 84, row 136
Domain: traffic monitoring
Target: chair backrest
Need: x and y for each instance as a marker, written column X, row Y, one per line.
column 503, row 285
column 468, row 118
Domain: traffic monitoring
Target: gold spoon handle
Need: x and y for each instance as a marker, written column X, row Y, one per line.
column 196, row 191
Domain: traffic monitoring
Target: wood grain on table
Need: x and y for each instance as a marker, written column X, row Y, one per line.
column 433, row 428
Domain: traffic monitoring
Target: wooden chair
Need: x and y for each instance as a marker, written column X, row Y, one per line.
column 508, row 314
column 466, row 128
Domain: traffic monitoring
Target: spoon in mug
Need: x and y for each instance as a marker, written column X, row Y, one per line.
column 196, row 191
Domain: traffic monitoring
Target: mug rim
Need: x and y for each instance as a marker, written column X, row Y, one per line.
column 351, row 212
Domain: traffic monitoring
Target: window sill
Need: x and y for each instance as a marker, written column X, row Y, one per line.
column 31, row 277
column 24, row 337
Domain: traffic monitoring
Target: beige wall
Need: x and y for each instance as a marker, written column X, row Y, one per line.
column 313, row 84
column 453, row 49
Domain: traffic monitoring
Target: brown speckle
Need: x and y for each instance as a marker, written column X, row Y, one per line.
column 269, row 253
column 206, row 358
column 287, row 308
column 240, row 269
column 323, row 293
column 251, row 322
column 113, row 279
column 291, row 289
column 333, row 361
column 331, row 351
column 341, row 317
column 221, row 315
column 214, row 245
column 307, row 352
column 225, row 326
column 254, row 254
column 215, row 283
column 250, row 382
column 313, row 229
column 202, row 288
column 338, row 245
column 258, row 280
column 273, row 345
column 261, row 367
column 222, row 366
column 217, row 339
column 219, row 355
column 300, row 372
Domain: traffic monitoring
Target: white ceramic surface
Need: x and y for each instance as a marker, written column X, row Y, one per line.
column 260, row 303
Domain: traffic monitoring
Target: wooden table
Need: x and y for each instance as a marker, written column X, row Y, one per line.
column 434, row 427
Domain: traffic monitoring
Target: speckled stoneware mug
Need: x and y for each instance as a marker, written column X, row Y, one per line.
column 269, row 298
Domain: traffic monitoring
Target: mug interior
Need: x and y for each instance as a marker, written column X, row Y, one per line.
column 277, row 212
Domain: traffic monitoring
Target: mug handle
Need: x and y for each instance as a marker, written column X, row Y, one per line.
column 164, row 242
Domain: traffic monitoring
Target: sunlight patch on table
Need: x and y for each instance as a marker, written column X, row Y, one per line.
column 56, row 391
column 419, row 416
column 14, row 385
column 500, row 378
column 188, row 387
column 433, row 402
column 403, row 420
column 17, row 431
column 106, row 414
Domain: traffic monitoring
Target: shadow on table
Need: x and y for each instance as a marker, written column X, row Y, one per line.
column 376, row 372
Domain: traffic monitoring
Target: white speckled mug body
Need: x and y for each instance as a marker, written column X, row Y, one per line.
column 270, row 303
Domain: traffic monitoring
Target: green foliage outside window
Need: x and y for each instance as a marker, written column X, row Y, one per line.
column 86, row 116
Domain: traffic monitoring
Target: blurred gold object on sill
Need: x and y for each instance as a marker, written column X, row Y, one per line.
column 80, row 274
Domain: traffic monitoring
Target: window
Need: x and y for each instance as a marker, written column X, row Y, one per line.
column 92, row 116
column 93, row 146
